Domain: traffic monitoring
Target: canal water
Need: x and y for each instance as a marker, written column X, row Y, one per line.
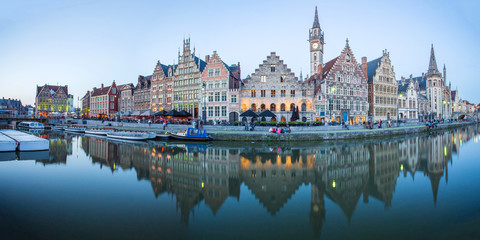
column 416, row 187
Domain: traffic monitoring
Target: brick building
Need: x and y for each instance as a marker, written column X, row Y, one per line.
column 86, row 104
column 141, row 93
column 161, row 90
column 104, row 101
column 220, row 90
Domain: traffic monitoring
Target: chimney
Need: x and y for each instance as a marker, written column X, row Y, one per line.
column 320, row 70
column 364, row 67
column 207, row 58
column 102, row 85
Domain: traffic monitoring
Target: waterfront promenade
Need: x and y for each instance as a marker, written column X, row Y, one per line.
column 298, row 133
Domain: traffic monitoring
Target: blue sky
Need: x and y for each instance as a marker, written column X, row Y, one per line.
column 85, row 43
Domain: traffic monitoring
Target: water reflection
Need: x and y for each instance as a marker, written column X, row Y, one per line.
column 343, row 172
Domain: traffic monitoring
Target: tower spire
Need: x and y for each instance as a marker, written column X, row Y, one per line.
column 432, row 66
column 316, row 23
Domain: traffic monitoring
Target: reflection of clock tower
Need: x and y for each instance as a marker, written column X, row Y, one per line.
column 316, row 45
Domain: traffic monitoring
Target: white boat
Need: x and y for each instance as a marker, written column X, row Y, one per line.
column 132, row 135
column 57, row 128
column 26, row 142
column 7, row 144
column 35, row 125
column 75, row 129
column 102, row 132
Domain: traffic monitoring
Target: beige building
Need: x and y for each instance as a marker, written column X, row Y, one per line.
column 274, row 87
column 186, row 81
column 382, row 88
column 126, row 98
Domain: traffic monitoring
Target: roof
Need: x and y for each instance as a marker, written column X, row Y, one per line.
column 52, row 87
column 267, row 113
column 402, row 88
column 100, row 91
column 248, row 113
column 202, row 63
column 328, row 66
column 372, row 68
column 422, row 83
column 421, row 96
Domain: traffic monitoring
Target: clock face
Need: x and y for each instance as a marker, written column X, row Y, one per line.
column 315, row 45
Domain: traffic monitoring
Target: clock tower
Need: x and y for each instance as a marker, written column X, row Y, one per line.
column 316, row 45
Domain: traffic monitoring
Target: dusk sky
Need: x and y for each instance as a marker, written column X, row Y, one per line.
column 83, row 44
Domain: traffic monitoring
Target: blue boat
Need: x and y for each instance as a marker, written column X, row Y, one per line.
column 191, row 134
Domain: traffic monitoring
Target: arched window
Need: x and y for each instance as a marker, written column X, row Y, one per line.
column 254, row 107
column 292, row 107
column 273, row 107
column 282, row 107
column 283, row 119
column 262, row 107
column 304, row 107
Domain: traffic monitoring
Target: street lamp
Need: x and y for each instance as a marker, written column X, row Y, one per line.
column 204, row 108
column 444, row 102
column 398, row 114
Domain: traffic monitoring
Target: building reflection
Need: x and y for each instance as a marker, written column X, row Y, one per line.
column 60, row 148
column 344, row 173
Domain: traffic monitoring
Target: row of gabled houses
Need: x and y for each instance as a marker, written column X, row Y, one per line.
column 340, row 90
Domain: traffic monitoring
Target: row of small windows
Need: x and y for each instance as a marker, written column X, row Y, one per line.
column 273, row 107
column 283, row 93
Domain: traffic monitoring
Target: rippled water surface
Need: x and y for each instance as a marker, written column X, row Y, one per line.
column 418, row 187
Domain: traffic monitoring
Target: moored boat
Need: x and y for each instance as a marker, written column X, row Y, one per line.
column 138, row 136
column 102, row 132
column 35, row 125
column 75, row 129
column 192, row 134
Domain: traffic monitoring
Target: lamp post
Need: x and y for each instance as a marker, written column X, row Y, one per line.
column 204, row 108
column 398, row 114
column 330, row 110
column 443, row 113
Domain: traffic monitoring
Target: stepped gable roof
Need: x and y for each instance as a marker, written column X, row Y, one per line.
column 372, row 68
column 100, row 91
column 328, row 66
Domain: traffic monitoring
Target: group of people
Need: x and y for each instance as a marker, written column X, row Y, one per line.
column 278, row 129
column 371, row 124
column 250, row 127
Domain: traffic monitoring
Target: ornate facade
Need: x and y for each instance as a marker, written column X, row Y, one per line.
column 126, row 98
column 104, row 101
column 274, row 87
column 316, row 40
column 341, row 89
column 51, row 99
column 382, row 88
column 220, row 90
column 141, row 93
column 186, row 81
column 161, row 91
